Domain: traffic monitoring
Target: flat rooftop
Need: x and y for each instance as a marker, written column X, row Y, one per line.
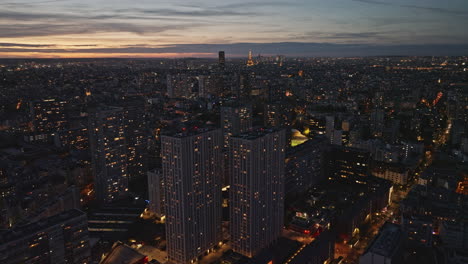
column 257, row 133
column 23, row 231
column 386, row 243
column 186, row 131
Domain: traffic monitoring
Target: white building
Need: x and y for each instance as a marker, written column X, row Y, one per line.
column 395, row 175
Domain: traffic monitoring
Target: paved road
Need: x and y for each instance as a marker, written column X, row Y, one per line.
column 350, row 254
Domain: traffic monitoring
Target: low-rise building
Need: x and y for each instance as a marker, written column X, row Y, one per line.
column 121, row 253
column 386, row 247
column 395, row 173
column 454, row 234
column 62, row 238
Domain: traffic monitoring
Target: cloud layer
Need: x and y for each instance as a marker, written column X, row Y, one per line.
column 294, row 27
column 241, row 49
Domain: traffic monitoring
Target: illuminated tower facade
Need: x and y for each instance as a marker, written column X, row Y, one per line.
column 156, row 192
column 235, row 119
column 257, row 189
column 192, row 166
column 250, row 61
column 109, row 153
column 180, row 85
column 49, row 116
column 136, row 138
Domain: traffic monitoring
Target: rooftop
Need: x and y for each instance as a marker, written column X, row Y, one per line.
column 123, row 254
column 386, row 243
column 186, row 131
column 257, row 133
column 22, row 231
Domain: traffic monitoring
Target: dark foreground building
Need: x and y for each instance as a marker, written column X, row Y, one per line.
column 62, row 238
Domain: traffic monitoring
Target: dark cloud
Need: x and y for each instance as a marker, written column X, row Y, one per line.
column 255, row 4
column 132, row 13
column 372, row 2
column 127, row 14
column 33, row 2
column 25, row 45
column 41, row 45
column 29, row 3
column 347, row 35
column 242, row 5
column 358, row 37
column 194, row 13
column 52, row 29
column 437, row 9
column 390, row 21
column 22, row 16
column 124, row 20
column 284, row 48
column 426, row 8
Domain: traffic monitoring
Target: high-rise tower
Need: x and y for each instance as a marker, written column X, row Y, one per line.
column 250, row 61
column 109, row 153
column 156, row 192
column 136, row 137
column 221, row 59
column 191, row 163
column 257, row 189
column 235, row 119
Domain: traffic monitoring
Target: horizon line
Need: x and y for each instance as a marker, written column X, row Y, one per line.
column 214, row 57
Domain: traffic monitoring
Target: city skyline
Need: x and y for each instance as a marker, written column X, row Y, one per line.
column 233, row 132
column 72, row 29
column 260, row 161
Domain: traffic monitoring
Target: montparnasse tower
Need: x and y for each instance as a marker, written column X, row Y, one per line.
column 250, row 61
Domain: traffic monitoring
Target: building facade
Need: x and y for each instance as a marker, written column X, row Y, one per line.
column 235, row 120
column 156, row 192
column 346, row 162
column 387, row 247
column 192, row 167
column 304, row 166
column 49, row 115
column 62, row 238
column 109, row 153
column 257, row 189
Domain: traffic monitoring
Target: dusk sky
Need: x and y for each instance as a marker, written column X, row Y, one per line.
column 153, row 28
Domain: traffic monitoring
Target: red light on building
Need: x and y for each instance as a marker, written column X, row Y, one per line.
column 144, row 260
column 317, row 232
column 307, row 231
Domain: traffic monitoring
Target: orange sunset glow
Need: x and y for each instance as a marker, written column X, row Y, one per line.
column 154, row 29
